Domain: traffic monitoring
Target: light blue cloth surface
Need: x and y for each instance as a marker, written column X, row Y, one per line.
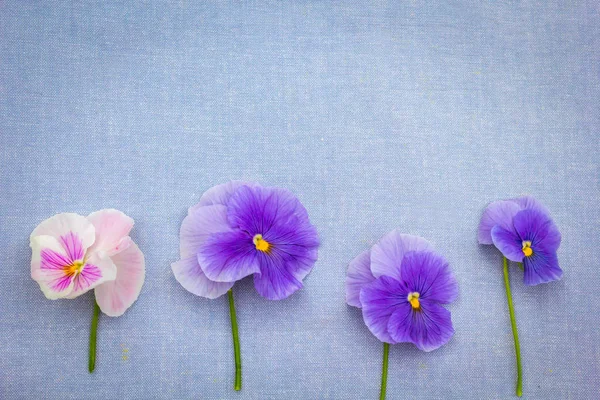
column 409, row 115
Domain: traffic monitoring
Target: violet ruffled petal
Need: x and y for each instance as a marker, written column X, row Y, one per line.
column 276, row 280
column 536, row 226
column 198, row 225
column 359, row 275
column 379, row 300
column 388, row 252
column 188, row 273
column 428, row 274
column 228, row 256
column 496, row 213
column 508, row 242
column 541, row 267
column 430, row 327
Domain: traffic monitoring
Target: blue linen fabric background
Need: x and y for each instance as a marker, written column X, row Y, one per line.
column 378, row 115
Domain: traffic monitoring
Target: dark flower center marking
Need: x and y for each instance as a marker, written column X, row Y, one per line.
column 260, row 243
column 413, row 299
column 527, row 250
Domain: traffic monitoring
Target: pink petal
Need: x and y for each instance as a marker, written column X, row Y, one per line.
column 112, row 226
column 48, row 262
column 188, row 273
column 63, row 226
column 198, row 225
column 116, row 296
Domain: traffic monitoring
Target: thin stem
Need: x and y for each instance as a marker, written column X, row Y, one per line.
column 384, row 370
column 236, row 343
column 93, row 329
column 513, row 323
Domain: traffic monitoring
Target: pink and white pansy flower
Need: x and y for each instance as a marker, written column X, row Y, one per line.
column 72, row 254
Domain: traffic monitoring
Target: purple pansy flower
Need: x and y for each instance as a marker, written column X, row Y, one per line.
column 240, row 229
column 524, row 232
column 401, row 285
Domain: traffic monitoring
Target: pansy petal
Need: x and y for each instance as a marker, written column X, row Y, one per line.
column 114, row 297
column 98, row 269
column 496, row 213
column 64, row 226
column 431, row 326
column 400, row 323
column 276, row 280
column 188, row 273
column 537, row 227
column 256, row 209
column 429, row 274
column 359, row 275
column 508, row 242
column 48, row 263
column 112, row 226
column 220, row 194
column 379, row 300
column 387, row 254
column 541, row 267
column 528, row 202
column 198, row 225
column 228, row 256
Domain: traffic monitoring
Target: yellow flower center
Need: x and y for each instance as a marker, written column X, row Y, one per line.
column 74, row 268
column 260, row 243
column 413, row 299
column 527, row 250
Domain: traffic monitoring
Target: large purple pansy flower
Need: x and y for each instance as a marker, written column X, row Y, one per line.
column 240, row 229
column 401, row 285
column 524, row 232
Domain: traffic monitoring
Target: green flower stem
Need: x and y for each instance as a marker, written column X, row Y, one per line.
column 93, row 329
column 513, row 323
column 384, row 370
column 236, row 343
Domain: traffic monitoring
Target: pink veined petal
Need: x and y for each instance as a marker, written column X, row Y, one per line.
column 98, row 269
column 388, row 253
column 114, row 297
column 188, row 273
column 66, row 224
column 49, row 262
column 198, row 225
column 112, row 226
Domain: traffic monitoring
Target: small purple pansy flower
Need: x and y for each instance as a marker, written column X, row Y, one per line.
column 523, row 231
column 240, row 229
column 401, row 284
column 72, row 254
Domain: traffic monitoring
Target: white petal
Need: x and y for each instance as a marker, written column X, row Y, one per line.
column 62, row 224
column 49, row 278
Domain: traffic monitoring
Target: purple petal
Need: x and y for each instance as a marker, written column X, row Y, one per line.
column 528, row 202
column 496, row 213
column 387, row 254
column 509, row 243
column 379, row 300
column 220, row 194
column 199, row 225
column 228, row 256
column 257, row 209
column 541, row 267
column 537, row 227
column 429, row 274
column 359, row 275
column 276, row 280
column 188, row 273
column 429, row 328
column 71, row 242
